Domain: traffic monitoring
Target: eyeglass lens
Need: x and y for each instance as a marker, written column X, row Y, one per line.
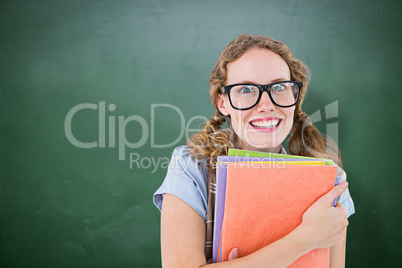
column 245, row 96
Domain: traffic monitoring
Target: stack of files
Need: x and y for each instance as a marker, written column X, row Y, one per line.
column 261, row 197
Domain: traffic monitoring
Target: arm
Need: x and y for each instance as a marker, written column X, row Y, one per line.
column 183, row 235
column 338, row 253
column 183, row 238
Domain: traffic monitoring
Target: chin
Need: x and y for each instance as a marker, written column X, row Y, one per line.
column 259, row 145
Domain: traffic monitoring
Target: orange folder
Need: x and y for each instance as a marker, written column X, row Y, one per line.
column 265, row 204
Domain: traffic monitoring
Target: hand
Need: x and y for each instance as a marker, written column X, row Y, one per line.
column 324, row 225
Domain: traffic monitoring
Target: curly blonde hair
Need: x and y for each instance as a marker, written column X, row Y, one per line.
column 214, row 140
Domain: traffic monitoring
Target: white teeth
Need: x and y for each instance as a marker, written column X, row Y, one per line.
column 265, row 124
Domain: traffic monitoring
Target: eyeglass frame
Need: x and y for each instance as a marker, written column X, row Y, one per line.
column 262, row 88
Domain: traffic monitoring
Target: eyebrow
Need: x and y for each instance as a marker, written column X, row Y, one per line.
column 273, row 81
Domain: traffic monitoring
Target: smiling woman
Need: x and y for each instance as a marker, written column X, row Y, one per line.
column 259, row 66
column 257, row 87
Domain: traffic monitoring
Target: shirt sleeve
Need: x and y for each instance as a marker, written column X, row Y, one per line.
column 345, row 199
column 185, row 179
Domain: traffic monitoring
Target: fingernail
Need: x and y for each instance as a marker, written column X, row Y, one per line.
column 230, row 257
column 344, row 184
column 236, row 255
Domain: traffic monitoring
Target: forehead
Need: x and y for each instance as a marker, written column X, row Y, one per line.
column 259, row 66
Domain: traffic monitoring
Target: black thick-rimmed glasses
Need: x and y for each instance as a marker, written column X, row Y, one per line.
column 245, row 96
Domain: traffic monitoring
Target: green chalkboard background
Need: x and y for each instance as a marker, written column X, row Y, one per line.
column 139, row 70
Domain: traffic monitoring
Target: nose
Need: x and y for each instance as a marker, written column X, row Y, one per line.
column 265, row 104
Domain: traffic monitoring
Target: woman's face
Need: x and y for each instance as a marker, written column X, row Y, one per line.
column 265, row 126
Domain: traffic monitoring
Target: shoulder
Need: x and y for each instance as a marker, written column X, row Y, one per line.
column 182, row 153
column 186, row 178
column 182, row 161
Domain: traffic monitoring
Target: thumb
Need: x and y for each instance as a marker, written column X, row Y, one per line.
column 334, row 192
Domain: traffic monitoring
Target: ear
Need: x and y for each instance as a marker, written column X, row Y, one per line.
column 222, row 103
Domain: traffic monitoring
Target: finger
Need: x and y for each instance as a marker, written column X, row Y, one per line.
column 339, row 205
column 334, row 192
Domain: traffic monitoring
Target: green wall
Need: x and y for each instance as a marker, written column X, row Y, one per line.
column 66, row 206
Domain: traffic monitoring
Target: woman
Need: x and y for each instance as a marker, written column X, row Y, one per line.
column 247, row 86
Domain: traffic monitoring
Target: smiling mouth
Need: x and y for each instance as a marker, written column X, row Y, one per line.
column 265, row 123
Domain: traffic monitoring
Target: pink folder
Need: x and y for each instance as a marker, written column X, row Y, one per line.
column 221, row 176
column 265, row 204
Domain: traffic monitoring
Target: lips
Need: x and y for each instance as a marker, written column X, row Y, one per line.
column 265, row 124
